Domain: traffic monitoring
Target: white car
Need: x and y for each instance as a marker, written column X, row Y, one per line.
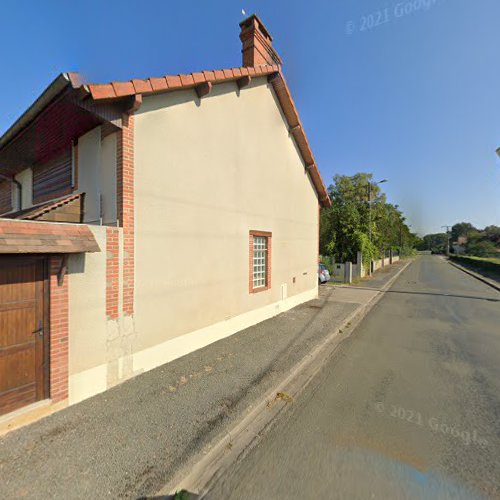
column 323, row 274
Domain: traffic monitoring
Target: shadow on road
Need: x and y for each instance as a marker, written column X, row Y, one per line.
column 441, row 294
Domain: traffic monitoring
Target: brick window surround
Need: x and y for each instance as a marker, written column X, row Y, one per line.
column 268, row 236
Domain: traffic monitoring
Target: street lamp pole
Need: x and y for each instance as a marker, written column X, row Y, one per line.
column 370, row 206
column 447, row 239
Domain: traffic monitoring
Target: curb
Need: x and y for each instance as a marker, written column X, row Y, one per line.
column 476, row 275
column 199, row 473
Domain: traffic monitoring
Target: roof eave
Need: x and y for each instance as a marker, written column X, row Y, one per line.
column 58, row 85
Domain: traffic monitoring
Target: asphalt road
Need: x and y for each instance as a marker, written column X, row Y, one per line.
column 407, row 407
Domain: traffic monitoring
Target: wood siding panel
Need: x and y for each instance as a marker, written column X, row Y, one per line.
column 5, row 196
column 53, row 178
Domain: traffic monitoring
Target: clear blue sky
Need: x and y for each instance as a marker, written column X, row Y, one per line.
column 415, row 100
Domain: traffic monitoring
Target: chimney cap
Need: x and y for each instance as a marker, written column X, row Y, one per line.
column 246, row 23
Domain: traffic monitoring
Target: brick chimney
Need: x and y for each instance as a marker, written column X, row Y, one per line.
column 257, row 47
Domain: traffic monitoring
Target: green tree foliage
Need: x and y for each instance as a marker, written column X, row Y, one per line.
column 493, row 234
column 479, row 242
column 436, row 243
column 481, row 248
column 461, row 229
column 345, row 226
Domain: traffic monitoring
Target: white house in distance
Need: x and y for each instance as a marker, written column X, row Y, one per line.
column 142, row 220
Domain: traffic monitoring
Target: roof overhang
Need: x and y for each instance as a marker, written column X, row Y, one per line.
column 67, row 109
column 22, row 237
column 58, row 117
column 61, row 83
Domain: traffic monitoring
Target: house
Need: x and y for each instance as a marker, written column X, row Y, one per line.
column 142, row 220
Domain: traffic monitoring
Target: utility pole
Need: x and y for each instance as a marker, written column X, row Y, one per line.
column 448, row 229
column 370, row 206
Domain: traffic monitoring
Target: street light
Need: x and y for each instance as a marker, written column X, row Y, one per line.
column 370, row 206
column 498, row 152
column 448, row 238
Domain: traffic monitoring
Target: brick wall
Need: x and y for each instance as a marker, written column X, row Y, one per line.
column 112, row 270
column 125, row 198
column 59, row 326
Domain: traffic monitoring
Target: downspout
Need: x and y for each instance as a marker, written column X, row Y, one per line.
column 19, row 188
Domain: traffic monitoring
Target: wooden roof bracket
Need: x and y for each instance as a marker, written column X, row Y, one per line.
column 203, row 89
column 136, row 103
column 63, row 270
column 244, row 81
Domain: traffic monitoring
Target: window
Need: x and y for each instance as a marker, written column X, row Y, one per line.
column 260, row 261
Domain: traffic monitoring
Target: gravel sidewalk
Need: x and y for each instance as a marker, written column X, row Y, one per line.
column 129, row 441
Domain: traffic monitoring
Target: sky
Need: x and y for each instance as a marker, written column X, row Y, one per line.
column 408, row 90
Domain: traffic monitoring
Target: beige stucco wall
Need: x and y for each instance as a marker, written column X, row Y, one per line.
column 89, row 158
column 107, row 178
column 26, row 179
column 87, row 315
column 206, row 172
column 97, row 176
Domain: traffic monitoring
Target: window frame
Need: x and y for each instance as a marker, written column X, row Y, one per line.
column 262, row 234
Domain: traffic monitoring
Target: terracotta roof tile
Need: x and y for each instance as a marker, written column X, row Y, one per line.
column 158, row 84
column 199, row 78
column 186, row 80
column 123, row 88
column 102, row 91
column 173, row 81
column 142, row 86
column 209, row 75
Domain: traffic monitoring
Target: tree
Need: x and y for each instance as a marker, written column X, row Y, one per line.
column 461, row 229
column 481, row 248
column 493, row 234
column 359, row 209
column 436, row 243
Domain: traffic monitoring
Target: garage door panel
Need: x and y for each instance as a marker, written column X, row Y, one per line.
column 22, row 350
column 17, row 366
column 17, row 398
column 17, row 325
column 17, row 282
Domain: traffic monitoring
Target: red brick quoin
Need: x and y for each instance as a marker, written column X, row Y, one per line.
column 125, row 195
column 59, row 327
column 112, row 270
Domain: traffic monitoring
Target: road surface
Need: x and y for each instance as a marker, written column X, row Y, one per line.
column 407, row 407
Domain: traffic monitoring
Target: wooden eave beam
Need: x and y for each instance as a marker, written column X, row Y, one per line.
column 203, row 89
column 244, row 81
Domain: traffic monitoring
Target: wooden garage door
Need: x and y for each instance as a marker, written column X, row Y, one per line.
column 23, row 341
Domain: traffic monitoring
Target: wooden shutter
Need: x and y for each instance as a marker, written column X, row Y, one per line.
column 53, row 178
column 5, row 196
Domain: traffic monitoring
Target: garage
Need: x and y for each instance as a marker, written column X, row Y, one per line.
column 23, row 324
